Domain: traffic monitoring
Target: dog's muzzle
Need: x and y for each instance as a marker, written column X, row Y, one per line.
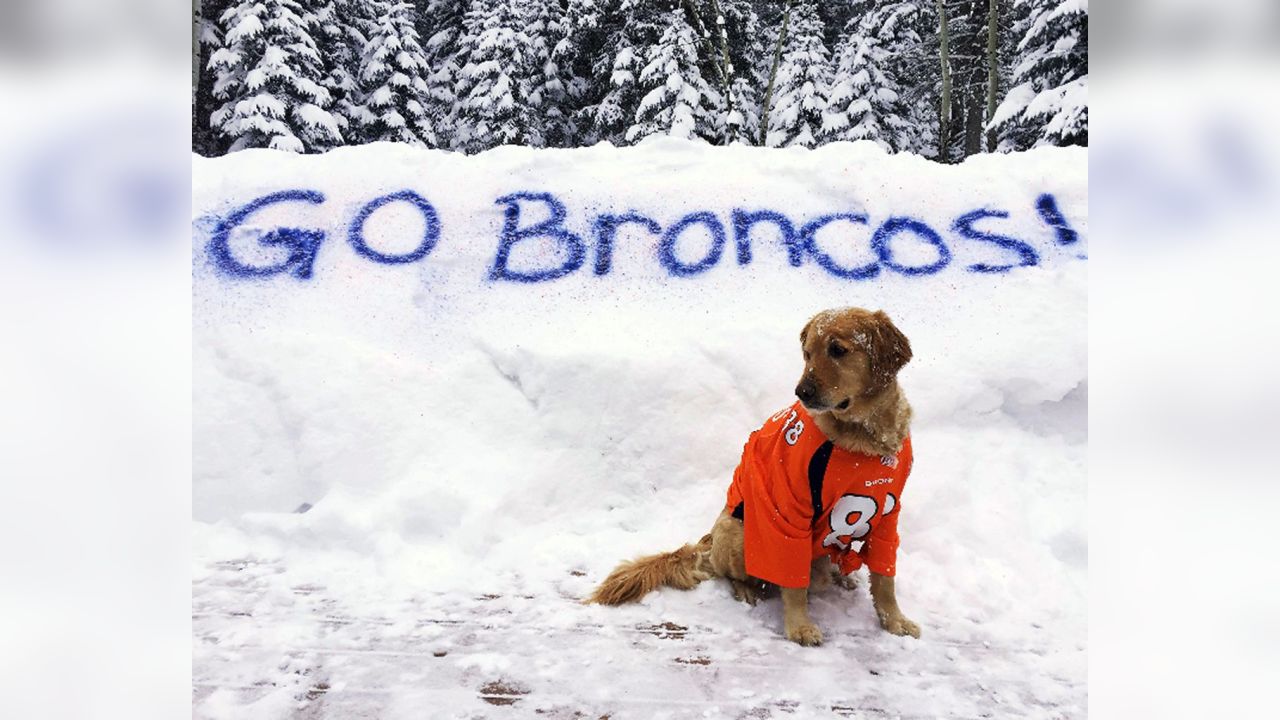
column 807, row 392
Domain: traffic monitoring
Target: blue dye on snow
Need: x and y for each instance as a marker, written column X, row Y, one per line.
column 744, row 219
column 667, row 249
column 810, row 244
column 355, row 234
column 963, row 226
column 606, row 228
column 1047, row 206
column 303, row 244
column 896, row 225
column 552, row 227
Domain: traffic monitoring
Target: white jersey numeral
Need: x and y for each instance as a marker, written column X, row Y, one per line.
column 793, row 434
column 846, row 506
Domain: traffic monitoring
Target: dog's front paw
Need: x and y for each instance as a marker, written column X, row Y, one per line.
column 846, row 582
column 806, row 634
column 745, row 591
column 899, row 625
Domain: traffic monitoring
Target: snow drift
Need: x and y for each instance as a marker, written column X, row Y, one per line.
column 533, row 362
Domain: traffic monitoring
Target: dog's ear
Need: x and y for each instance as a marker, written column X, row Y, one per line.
column 888, row 350
column 804, row 331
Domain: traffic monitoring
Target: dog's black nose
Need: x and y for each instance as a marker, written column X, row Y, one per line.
column 806, row 391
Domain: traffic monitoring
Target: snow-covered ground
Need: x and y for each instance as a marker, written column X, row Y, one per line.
column 475, row 449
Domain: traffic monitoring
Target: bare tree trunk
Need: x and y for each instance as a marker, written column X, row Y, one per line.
column 944, row 56
column 971, row 101
column 773, row 74
column 993, row 73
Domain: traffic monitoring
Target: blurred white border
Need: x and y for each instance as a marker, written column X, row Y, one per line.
column 94, row 363
column 1185, row 184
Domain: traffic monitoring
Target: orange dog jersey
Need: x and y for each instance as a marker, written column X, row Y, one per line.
column 800, row 497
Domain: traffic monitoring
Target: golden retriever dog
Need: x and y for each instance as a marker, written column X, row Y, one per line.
column 817, row 492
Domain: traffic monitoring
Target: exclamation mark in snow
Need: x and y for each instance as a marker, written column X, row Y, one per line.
column 1047, row 206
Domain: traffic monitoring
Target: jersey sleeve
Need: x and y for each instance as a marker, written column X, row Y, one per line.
column 880, row 553
column 881, row 550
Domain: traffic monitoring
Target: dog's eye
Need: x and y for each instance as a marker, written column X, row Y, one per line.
column 836, row 350
column 806, row 355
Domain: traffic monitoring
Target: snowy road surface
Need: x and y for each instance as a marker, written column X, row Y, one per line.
column 267, row 648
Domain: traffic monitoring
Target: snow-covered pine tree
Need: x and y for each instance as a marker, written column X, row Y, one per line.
column 266, row 67
column 577, row 55
column 548, row 85
column 836, row 17
column 493, row 87
column 629, row 28
column 865, row 99
column 746, row 109
column 196, row 21
column 586, row 56
column 439, row 24
column 710, row 53
column 728, row 33
column 746, row 47
column 339, row 28
column 393, row 69
column 799, row 94
column 677, row 99
column 268, row 77
column 1049, row 102
column 205, row 139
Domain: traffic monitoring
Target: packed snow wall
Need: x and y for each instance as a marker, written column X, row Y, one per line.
column 477, row 359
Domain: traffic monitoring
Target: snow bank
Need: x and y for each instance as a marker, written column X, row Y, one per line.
column 535, row 361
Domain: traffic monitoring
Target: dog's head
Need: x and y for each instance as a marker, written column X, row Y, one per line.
column 850, row 356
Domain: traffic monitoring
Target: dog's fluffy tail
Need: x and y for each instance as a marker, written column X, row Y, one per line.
column 632, row 580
